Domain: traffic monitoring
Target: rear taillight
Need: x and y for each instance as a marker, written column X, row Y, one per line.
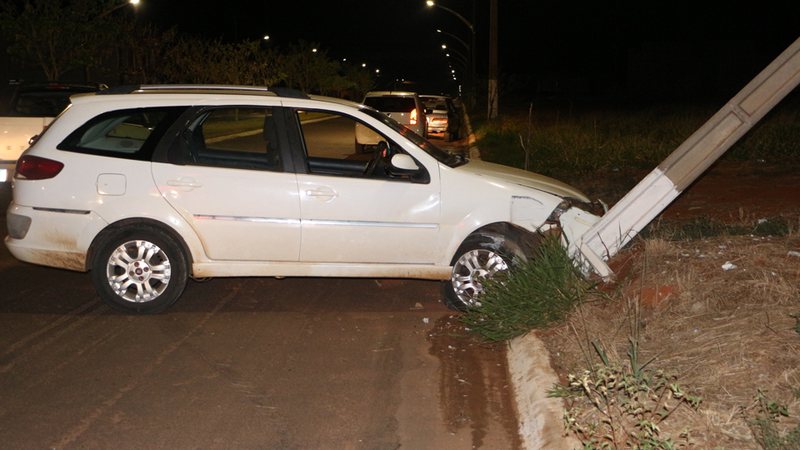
column 36, row 168
column 414, row 116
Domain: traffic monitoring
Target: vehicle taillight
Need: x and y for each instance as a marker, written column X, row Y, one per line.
column 414, row 116
column 36, row 168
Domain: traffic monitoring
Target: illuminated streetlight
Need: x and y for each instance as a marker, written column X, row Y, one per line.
column 461, row 41
column 133, row 3
column 470, row 48
column 266, row 37
column 313, row 50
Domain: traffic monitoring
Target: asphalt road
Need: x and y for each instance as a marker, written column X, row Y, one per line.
column 244, row 363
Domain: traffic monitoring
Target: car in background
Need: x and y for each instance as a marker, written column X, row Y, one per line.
column 30, row 111
column 147, row 186
column 443, row 117
column 404, row 107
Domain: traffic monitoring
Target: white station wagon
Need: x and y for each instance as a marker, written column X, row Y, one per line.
column 148, row 186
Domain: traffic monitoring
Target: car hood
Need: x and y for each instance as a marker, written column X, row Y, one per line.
column 499, row 173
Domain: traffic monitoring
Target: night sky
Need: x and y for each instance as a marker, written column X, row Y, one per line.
column 585, row 47
column 642, row 48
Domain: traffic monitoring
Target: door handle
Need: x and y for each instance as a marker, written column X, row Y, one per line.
column 322, row 193
column 184, row 182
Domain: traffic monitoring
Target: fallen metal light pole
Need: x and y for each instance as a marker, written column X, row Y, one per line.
column 658, row 189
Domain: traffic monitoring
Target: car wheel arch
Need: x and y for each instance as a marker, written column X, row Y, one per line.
column 527, row 240
column 120, row 224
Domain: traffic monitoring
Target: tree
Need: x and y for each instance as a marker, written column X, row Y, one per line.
column 310, row 70
column 57, row 35
column 199, row 61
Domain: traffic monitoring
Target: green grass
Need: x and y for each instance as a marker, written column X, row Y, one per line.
column 704, row 227
column 536, row 293
column 594, row 141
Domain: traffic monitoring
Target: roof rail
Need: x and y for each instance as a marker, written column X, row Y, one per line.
column 130, row 89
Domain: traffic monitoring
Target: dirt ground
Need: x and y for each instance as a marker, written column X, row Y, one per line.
column 719, row 313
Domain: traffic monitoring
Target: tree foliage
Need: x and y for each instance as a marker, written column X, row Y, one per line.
column 56, row 35
column 101, row 38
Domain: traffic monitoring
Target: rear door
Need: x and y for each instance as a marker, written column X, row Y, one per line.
column 226, row 175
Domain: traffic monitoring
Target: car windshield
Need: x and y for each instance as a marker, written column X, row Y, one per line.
column 445, row 157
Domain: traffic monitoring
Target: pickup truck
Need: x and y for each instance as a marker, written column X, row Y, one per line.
column 32, row 109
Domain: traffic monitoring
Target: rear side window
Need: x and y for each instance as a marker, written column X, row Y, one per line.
column 391, row 104
column 127, row 133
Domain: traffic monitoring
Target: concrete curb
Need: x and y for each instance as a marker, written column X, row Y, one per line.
column 540, row 417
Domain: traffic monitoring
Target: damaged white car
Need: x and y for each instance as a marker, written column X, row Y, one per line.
column 148, row 186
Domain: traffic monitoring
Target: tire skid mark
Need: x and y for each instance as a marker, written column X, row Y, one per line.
column 32, row 343
column 89, row 420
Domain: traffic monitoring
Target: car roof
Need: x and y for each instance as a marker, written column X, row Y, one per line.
column 196, row 92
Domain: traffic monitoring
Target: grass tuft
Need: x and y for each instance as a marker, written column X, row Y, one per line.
column 535, row 293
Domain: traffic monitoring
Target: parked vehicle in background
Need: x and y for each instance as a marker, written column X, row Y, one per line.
column 404, row 107
column 443, row 117
column 147, row 186
column 32, row 108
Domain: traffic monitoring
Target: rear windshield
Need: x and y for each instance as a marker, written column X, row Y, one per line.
column 434, row 103
column 391, row 104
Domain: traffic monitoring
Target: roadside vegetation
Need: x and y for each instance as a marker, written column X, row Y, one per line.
column 97, row 41
column 586, row 147
column 697, row 342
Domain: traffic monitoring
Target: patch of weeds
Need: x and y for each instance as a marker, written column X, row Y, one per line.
column 704, row 227
column 773, row 226
column 612, row 405
column 764, row 425
column 535, row 293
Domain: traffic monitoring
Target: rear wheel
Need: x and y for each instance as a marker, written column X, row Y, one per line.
column 481, row 256
column 139, row 269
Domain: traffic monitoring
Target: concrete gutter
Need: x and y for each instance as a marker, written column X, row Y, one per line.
column 541, row 419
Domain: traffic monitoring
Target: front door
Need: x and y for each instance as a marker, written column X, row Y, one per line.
column 351, row 209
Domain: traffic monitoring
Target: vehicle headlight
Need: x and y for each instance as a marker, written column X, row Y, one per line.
column 597, row 207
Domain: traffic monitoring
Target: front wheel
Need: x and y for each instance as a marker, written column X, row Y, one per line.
column 481, row 256
column 139, row 269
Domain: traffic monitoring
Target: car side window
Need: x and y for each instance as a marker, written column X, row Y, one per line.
column 232, row 137
column 128, row 133
column 338, row 144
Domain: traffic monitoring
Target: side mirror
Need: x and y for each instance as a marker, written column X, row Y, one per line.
column 403, row 164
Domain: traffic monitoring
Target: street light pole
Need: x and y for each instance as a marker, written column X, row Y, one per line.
column 493, row 105
column 471, row 27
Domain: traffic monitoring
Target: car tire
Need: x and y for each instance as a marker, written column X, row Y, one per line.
column 139, row 269
column 482, row 255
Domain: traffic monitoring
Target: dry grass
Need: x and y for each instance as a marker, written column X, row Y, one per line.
column 725, row 333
